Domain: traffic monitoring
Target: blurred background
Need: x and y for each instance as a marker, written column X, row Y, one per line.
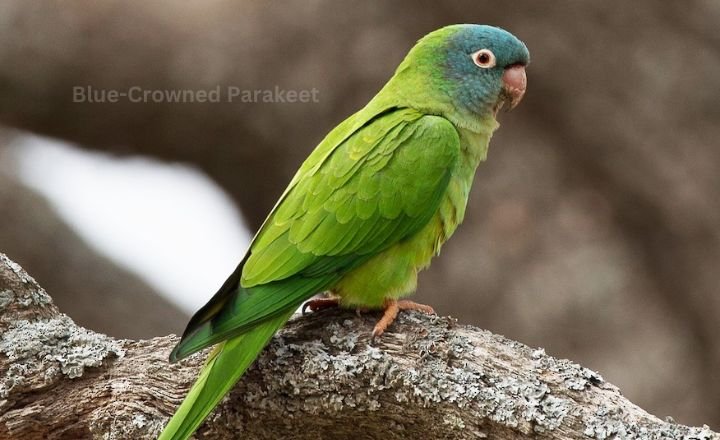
column 593, row 230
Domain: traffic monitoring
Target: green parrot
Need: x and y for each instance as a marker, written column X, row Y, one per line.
column 367, row 210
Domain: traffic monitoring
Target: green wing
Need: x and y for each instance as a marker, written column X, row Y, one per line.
column 378, row 186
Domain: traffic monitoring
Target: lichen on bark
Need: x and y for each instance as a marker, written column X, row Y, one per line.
column 319, row 377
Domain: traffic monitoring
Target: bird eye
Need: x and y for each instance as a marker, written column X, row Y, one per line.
column 484, row 58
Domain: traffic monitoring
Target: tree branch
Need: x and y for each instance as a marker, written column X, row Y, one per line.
column 319, row 378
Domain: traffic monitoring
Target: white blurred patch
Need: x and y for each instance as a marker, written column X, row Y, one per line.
column 169, row 223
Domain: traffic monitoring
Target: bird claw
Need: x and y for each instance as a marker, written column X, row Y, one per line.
column 319, row 304
column 392, row 308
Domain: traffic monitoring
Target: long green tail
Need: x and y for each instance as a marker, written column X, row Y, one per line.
column 222, row 370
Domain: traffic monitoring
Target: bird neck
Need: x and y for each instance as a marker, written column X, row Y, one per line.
column 426, row 94
column 473, row 147
column 429, row 93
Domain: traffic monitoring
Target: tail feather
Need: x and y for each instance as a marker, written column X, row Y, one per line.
column 218, row 376
column 235, row 310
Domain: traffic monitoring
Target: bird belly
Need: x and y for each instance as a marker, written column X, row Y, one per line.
column 393, row 273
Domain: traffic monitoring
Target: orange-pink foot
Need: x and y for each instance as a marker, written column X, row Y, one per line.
column 392, row 308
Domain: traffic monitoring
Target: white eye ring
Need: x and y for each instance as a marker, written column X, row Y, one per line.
column 484, row 58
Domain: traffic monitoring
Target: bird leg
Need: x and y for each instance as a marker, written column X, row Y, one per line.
column 392, row 308
column 320, row 304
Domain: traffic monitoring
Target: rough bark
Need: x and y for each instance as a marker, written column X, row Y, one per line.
column 319, row 378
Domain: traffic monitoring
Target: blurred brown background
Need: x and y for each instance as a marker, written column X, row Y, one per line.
column 593, row 230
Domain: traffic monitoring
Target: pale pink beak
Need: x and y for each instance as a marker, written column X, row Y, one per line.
column 514, row 85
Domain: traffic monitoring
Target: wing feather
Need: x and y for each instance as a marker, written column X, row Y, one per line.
column 379, row 186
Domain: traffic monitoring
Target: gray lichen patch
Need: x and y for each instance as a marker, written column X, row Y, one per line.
column 522, row 402
column 433, row 373
column 116, row 423
column 575, row 377
column 6, row 297
column 34, row 297
column 608, row 423
column 18, row 287
column 13, row 266
column 308, row 366
column 41, row 350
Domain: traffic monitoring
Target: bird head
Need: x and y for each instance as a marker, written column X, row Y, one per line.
column 466, row 69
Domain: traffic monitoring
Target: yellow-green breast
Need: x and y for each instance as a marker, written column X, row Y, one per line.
column 393, row 273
